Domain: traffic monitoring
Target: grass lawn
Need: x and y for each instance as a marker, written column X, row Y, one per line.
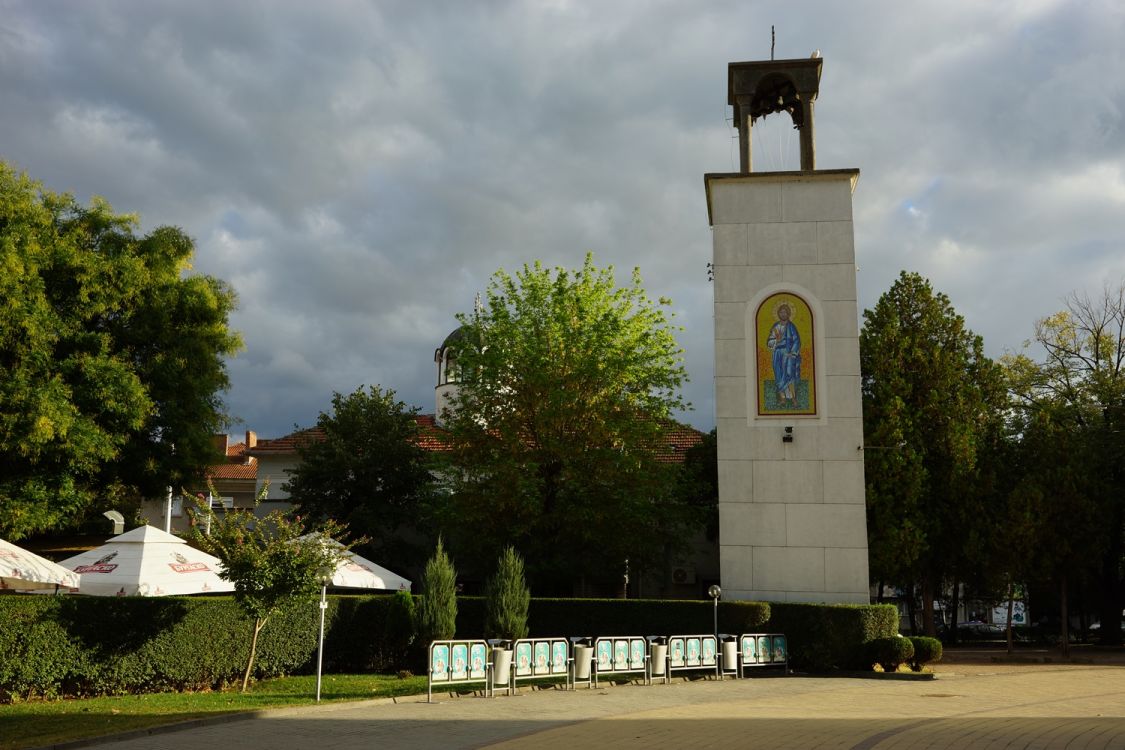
column 38, row 723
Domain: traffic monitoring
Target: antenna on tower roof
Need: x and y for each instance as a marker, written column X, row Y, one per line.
column 773, row 41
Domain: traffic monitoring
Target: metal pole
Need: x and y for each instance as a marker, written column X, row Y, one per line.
column 320, row 648
column 716, row 631
column 168, row 513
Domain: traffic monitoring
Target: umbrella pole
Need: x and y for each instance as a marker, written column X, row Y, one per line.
column 320, row 648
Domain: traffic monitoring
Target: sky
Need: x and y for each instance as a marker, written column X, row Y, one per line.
column 358, row 170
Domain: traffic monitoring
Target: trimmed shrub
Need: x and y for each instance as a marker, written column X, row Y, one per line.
column 80, row 646
column 506, row 599
column 890, row 652
column 826, row 637
column 926, row 651
column 437, row 614
column 575, row 617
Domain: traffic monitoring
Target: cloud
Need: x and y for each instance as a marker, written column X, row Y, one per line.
column 358, row 170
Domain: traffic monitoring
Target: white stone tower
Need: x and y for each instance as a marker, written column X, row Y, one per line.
column 787, row 382
column 448, row 376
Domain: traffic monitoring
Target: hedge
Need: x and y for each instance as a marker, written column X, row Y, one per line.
column 73, row 645
column 95, row 646
column 576, row 617
column 826, row 637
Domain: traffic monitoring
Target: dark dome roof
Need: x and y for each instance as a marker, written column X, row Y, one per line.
column 452, row 338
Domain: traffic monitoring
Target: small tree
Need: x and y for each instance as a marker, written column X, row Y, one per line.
column 437, row 615
column 507, row 598
column 269, row 560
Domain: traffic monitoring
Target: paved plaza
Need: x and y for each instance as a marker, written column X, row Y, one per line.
column 968, row 706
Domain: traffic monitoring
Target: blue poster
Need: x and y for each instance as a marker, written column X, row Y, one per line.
column 749, row 649
column 780, row 650
column 676, row 652
column 637, row 655
column 605, row 655
column 620, row 655
column 523, row 659
column 542, row 657
column 439, row 663
column 476, row 661
column 763, row 649
column 558, row 661
column 460, row 661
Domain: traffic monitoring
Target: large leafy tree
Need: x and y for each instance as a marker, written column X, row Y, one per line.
column 367, row 470
column 932, row 402
column 1077, row 387
column 568, row 381
column 111, row 358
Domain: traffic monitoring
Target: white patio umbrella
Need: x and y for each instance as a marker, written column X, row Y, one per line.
column 355, row 572
column 25, row 571
column 147, row 562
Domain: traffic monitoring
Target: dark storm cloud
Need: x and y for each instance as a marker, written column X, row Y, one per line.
column 357, row 170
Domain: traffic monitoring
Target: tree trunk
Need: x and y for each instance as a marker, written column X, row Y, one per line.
column 1064, row 626
column 956, row 602
column 911, row 609
column 879, row 593
column 1010, row 606
column 258, row 625
column 928, row 607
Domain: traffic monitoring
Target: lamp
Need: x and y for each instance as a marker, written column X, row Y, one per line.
column 715, row 592
column 324, row 575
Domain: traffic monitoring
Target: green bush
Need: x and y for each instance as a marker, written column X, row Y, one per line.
column 890, row 652
column 926, row 651
column 506, row 598
column 826, row 637
column 80, row 646
column 437, row 614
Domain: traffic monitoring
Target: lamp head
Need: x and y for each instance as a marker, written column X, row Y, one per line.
column 714, row 591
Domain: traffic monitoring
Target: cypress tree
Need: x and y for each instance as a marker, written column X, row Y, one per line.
column 507, row 598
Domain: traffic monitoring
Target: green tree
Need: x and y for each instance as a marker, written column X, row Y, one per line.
column 367, row 472
column 1056, row 492
column 931, row 400
column 111, row 358
column 568, row 381
column 1078, row 388
column 437, row 614
column 507, row 599
column 270, row 560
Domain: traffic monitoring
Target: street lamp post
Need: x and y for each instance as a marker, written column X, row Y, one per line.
column 715, row 592
column 325, row 575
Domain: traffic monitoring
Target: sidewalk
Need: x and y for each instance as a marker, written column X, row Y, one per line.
column 969, row 706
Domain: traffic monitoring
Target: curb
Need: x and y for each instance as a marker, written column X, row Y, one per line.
column 901, row 676
column 226, row 718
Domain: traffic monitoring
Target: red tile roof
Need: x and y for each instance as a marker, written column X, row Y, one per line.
column 237, row 466
column 287, row 444
column 679, row 437
column 233, row 471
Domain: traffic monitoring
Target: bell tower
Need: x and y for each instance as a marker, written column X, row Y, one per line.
column 787, row 383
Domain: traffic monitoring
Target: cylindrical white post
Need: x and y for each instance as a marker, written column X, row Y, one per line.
column 320, row 647
column 168, row 513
